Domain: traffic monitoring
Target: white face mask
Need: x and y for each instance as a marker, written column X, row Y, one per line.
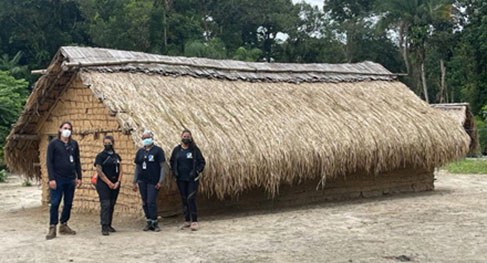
column 66, row 133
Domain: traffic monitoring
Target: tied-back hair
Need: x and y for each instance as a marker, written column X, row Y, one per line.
column 109, row 137
column 60, row 126
column 192, row 145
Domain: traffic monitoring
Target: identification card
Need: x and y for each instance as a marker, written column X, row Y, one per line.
column 71, row 159
column 144, row 166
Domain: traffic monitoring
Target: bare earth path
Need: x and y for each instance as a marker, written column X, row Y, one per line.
column 447, row 225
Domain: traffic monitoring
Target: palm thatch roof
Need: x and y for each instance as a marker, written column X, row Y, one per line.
column 258, row 124
column 462, row 113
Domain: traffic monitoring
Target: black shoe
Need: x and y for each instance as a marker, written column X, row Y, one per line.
column 104, row 231
column 111, row 229
column 148, row 226
column 155, row 227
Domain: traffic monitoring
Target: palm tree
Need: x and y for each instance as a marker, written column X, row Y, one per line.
column 12, row 64
column 413, row 21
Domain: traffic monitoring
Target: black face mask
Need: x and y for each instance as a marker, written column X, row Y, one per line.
column 108, row 147
column 187, row 140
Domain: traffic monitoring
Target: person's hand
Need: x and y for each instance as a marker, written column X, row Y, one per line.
column 111, row 185
column 197, row 177
column 158, row 185
column 135, row 187
column 116, row 185
column 52, row 184
column 78, row 183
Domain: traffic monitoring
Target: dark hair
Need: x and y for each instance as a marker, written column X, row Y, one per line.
column 60, row 126
column 109, row 137
column 192, row 144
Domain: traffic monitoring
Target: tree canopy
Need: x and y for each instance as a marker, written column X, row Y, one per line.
column 440, row 44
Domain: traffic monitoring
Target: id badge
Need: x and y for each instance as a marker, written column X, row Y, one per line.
column 144, row 165
column 71, row 159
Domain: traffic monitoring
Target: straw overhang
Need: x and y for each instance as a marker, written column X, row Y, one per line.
column 463, row 115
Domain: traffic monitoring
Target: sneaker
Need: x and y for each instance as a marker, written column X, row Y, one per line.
column 64, row 229
column 148, row 226
column 194, row 226
column 185, row 225
column 155, row 227
column 104, row 230
column 52, row 232
column 111, row 229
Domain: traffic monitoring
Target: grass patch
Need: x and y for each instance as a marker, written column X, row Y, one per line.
column 27, row 183
column 3, row 176
column 468, row 166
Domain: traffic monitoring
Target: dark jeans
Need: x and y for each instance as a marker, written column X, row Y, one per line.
column 108, row 198
column 64, row 190
column 148, row 193
column 188, row 190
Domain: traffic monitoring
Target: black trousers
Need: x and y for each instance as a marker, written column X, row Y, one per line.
column 188, row 190
column 108, row 198
column 64, row 190
column 148, row 193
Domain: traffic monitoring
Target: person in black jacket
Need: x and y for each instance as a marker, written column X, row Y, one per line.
column 148, row 176
column 64, row 172
column 110, row 175
column 187, row 163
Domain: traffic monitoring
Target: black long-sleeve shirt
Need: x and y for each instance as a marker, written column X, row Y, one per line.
column 63, row 160
column 186, row 164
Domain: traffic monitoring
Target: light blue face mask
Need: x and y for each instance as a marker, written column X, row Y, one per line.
column 147, row 141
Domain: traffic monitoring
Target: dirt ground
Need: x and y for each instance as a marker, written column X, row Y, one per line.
column 446, row 225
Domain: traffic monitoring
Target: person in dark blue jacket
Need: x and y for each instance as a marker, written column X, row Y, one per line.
column 110, row 174
column 148, row 176
column 64, row 172
column 187, row 163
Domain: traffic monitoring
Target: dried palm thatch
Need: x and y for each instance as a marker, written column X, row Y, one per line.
column 462, row 113
column 262, row 125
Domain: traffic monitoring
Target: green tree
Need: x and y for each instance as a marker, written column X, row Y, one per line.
column 469, row 62
column 120, row 24
column 38, row 28
column 250, row 55
column 414, row 22
column 13, row 93
column 211, row 49
column 13, row 65
column 252, row 24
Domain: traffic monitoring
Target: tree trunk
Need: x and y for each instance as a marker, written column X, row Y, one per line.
column 443, row 90
column 423, row 81
column 167, row 6
column 403, row 46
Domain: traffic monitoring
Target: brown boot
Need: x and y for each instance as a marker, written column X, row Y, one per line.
column 52, row 232
column 64, row 229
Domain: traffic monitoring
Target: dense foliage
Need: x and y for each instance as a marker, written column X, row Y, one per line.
column 441, row 45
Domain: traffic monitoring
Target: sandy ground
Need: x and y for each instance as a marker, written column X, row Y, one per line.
column 447, row 225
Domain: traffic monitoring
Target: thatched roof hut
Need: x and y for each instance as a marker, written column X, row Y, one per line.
column 462, row 113
column 260, row 125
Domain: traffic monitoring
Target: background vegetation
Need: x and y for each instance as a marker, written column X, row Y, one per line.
column 440, row 44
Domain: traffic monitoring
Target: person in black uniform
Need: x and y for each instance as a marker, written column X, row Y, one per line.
column 110, row 174
column 148, row 177
column 187, row 163
column 64, row 172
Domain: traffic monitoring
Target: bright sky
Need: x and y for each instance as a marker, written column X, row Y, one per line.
column 311, row 2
